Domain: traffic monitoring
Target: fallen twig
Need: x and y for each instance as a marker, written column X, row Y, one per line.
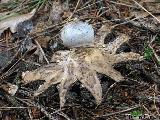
column 41, row 50
column 119, row 112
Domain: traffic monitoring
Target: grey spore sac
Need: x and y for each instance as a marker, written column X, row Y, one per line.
column 77, row 34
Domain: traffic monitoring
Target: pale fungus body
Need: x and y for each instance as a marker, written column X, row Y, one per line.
column 81, row 64
column 77, row 34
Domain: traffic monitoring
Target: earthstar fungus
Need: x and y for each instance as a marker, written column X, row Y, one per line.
column 82, row 63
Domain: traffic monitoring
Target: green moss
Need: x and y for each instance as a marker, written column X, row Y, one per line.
column 148, row 53
column 136, row 113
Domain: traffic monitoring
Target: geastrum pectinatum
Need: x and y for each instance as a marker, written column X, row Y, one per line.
column 81, row 63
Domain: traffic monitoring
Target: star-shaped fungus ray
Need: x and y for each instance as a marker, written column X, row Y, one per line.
column 49, row 73
column 88, row 80
column 71, row 71
column 91, row 82
column 81, row 64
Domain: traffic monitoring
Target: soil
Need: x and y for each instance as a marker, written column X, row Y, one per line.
column 137, row 96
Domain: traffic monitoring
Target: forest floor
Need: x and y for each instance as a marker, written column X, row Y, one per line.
column 37, row 37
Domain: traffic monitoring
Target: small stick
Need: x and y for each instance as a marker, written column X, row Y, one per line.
column 148, row 111
column 30, row 114
column 122, row 4
column 157, row 109
column 74, row 10
column 43, row 110
column 119, row 112
column 155, row 54
column 14, row 107
column 40, row 48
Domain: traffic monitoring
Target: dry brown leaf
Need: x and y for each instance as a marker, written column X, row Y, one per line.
column 12, row 22
column 81, row 64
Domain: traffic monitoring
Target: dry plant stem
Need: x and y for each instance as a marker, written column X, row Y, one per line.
column 129, row 21
column 7, row 73
column 20, row 6
column 86, row 3
column 120, row 112
column 146, row 10
column 148, row 111
column 4, row 108
column 99, row 15
column 154, row 53
column 157, row 109
column 64, row 115
column 74, row 10
column 41, row 50
column 11, row 48
column 30, row 114
column 15, row 62
column 110, row 88
column 89, row 5
column 17, row 9
column 122, row 4
column 43, row 110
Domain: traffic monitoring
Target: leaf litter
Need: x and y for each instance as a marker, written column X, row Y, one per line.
column 12, row 22
column 135, row 79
